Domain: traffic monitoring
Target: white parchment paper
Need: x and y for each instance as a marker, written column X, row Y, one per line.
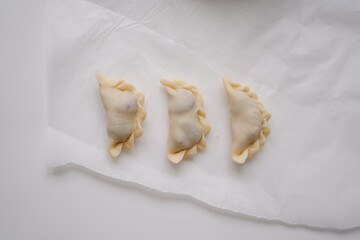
column 302, row 58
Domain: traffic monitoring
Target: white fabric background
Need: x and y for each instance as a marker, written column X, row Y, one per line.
column 300, row 58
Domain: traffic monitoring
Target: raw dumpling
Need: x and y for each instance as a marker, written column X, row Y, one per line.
column 125, row 113
column 248, row 121
column 187, row 124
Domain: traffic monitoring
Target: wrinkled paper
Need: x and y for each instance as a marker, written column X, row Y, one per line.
column 301, row 58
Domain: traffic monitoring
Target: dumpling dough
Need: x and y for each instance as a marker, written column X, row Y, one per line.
column 248, row 121
column 125, row 113
column 187, row 124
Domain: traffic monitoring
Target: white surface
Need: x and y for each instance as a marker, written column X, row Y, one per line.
column 35, row 204
column 300, row 58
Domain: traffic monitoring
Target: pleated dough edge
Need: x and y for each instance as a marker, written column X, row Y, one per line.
column 254, row 147
column 114, row 150
column 172, row 85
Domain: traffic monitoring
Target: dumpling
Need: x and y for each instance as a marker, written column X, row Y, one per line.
column 125, row 113
column 249, row 121
column 187, row 124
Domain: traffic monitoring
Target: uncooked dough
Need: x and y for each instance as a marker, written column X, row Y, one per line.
column 125, row 113
column 187, row 124
column 248, row 121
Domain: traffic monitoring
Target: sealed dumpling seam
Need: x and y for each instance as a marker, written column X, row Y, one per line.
column 187, row 124
column 125, row 113
column 249, row 121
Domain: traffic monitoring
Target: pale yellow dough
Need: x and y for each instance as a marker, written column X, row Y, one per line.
column 248, row 121
column 125, row 112
column 187, row 124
